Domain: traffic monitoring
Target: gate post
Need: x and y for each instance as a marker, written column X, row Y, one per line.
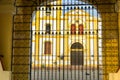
column 21, row 46
column 118, row 10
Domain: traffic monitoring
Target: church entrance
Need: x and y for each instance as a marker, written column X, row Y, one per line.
column 64, row 40
column 77, row 57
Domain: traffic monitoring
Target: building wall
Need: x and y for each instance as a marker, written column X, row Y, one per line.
column 6, row 15
column 110, row 38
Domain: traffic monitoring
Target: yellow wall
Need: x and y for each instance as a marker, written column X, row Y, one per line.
column 6, row 35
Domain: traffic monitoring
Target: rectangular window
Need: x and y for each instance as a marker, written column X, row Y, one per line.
column 48, row 28
column 47, row 49
column 73, row 29
column 80, row 29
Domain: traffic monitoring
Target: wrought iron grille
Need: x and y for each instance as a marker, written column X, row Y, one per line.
column 64, row 40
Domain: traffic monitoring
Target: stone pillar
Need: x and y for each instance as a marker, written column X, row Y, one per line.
column 118, row 10
column 109, row 39
column 21, row 40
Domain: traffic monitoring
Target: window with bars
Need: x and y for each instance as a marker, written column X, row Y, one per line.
column 73, row 29
column 80, row 29
column 48, row 28
column 47, row 49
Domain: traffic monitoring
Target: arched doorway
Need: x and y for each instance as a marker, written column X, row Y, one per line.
column 77, row 56
column 61, row 26
column 25, row 56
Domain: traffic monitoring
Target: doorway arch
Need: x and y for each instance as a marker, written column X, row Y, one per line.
column 77, row 56
column 104, row 50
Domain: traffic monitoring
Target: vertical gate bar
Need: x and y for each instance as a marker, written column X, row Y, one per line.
column 55, row 71
column 71, row 40
column 81, row 16
column 76, row 35
column 45, row 21
column 60, row 64
column 91, row 35
column 67, row 26
column 77, row 13
column 12, row 47
column 44, row 39
column 38, row 42
column 97, row 55
column 97, row 47
column 74, row 7
column 42, row 48
column 48, row 60
column 84, row 8
column 66, row 16
column 83, row 71
column 31, row 36
column 53, row 22
column 59, row 37
column 93, row 69
column 63, row 42
column 70, row 35
column 35, row 43
column 88, row 37
column 36, row 53
column 62, row 53
column 93, row 40
column 73, row 12
column 52, row 34
column 88, row 60
column 78, row 17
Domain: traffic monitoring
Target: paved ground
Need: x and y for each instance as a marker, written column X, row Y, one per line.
column 66, row 74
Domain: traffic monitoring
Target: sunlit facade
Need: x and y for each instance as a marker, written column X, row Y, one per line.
column 56, row 32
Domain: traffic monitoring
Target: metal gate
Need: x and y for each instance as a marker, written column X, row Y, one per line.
column 70, row 40
column 62, row 31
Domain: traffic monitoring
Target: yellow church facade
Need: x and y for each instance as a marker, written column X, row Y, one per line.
column 60, row 35
column 69, row 39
